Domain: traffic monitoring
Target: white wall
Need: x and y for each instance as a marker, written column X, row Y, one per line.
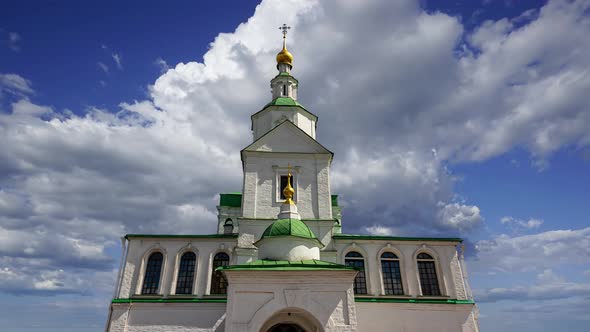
column 261, row 197
column 406, row 317
column 168, row 317
column 172, row 248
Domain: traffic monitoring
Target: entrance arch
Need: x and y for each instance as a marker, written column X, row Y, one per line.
column 292, row 320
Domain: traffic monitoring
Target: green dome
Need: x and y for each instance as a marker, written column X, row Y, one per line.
column 286, row 227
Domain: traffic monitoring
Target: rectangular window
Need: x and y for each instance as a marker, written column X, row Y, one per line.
column 284, row 184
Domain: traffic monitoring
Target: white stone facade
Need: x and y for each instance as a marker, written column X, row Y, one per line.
column 309, row 282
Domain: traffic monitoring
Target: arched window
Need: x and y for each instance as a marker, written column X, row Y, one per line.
column 186, row 273
column 218, row 281
column 392, row 277
column 151, row 281
column 284, row 90
column 355, row 259
column 427, row 272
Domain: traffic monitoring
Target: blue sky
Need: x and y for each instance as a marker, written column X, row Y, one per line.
column 463, row 118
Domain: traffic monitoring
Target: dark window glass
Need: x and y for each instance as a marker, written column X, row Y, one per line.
column 284, row 90
column 218, row 281
column 284, row 184
column 355, row 259
column 427, row 272
column 424, row 256
column 392, row 278
column 186, row 273
column 151, row 281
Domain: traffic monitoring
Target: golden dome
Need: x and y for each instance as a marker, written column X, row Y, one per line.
column 285, row 56
column 289, row 191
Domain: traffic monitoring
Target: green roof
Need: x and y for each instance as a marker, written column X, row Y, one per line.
column 230, row 199
column 304, row 265
column 288, row 227
column 394, row 238
column 284, row 101
column 235, row 199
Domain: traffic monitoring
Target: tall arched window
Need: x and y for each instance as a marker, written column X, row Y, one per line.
column 392, row 277
column 355, row 259
column 186, row 273
column 427, row 272
column 285, row 90
column 218, row 281
column 151, row 281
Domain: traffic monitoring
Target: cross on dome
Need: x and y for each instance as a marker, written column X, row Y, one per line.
column 284, row 57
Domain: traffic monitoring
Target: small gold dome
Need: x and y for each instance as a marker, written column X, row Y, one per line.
column 285, row 56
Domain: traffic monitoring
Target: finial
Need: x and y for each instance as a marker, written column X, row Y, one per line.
column 289, row 191
column 284, row 56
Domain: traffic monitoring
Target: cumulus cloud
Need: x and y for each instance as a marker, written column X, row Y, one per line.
column 419, row 84
column 15, row 85
column 549, row 286
column 519, row 224
column 533, row 252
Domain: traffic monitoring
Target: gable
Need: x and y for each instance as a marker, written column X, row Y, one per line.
column 287, row 137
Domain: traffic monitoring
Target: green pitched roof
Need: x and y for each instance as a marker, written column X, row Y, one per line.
column 285, row 227
column 304, row 265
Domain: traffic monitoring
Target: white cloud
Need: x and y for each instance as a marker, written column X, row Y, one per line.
column 117, row 59
column 520, row 224
column 162, row 64
column 13, row 41
column 15, row 84
column 104, row 67
column 461, row 217
column 534, row 252
column 549, row 286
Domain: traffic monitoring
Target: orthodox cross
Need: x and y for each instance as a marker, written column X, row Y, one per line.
column 284, row 28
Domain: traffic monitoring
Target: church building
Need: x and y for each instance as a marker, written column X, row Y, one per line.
column 279, row 261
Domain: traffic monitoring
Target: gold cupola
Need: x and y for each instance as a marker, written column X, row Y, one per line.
column 288, row 191
column 284, row 56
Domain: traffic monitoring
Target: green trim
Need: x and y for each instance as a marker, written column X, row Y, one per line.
column 176, row 236
column 168, row 300
column 394, row 238
column 274, row 265
column 230, row 199
column 411, row 300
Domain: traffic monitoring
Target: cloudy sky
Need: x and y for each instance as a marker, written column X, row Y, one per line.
column 464, row 118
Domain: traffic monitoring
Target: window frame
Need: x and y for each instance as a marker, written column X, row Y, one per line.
column 365, row 269
column 144, row 266
column 284, row 171
column 178, row 260
column 400, row 261
column 439, row 276
column 212, row 271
